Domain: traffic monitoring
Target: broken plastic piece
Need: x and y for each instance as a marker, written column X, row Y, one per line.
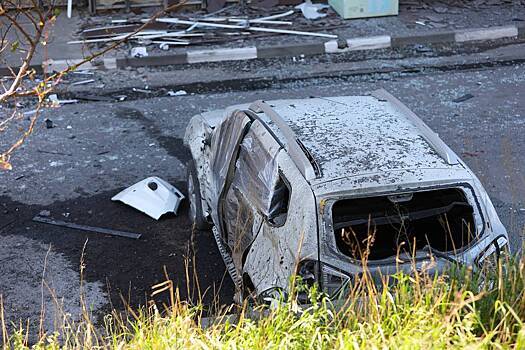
column 152, row 196
column 139, row 51
column 311, row 11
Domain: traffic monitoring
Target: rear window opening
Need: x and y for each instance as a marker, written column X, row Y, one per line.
column 376, row 228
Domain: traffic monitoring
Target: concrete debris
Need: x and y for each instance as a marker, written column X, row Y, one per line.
column 152, row 196
column 311, row 11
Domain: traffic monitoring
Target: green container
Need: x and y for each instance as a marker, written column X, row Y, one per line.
column 365, row 8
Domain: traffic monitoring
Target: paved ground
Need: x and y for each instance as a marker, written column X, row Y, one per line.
column 98, row 148
column 415, row 17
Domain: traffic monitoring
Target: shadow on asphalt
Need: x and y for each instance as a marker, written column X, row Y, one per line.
column 127, row 267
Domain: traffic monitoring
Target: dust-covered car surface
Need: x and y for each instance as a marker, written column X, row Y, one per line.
column 324, row 186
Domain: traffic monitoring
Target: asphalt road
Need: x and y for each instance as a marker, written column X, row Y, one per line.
column 98, row 148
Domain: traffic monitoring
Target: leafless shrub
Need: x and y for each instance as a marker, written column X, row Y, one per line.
column 25, row 27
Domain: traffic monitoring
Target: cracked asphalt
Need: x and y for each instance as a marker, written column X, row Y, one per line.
column 98, row 148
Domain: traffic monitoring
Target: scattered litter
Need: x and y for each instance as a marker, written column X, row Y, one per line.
column 49, row 123
column 139, row 51
column 54, row 99
column 177, row 93
column 167, row 33
column 101, row 153
column 20, row 177
column 82, row 82
column 83, row 72
column 107, row 231
column 421, row 23
column 463, row 98
column 142, row 90
column 311, row 11
column 249, row 28
column 152, row 196
column 121, row 97
column 54, row 152
column 45, row 213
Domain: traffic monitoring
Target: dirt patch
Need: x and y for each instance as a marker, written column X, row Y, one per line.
column 24, row 263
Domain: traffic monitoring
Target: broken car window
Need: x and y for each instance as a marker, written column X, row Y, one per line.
column 380, row 227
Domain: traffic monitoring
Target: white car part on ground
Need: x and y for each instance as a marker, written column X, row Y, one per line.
column 152, row 196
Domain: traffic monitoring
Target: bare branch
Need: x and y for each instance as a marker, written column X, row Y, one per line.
column 41, row 90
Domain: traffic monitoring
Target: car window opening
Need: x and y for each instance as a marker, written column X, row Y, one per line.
column 279, row 203
column 376, row 228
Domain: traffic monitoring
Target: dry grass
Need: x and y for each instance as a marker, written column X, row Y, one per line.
column 419, row 311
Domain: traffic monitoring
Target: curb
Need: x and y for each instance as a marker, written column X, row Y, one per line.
column 329, row 47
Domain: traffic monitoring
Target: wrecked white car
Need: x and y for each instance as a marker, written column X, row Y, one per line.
column 310, row 185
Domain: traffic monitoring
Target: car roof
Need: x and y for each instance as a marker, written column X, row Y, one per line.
column 357, row 135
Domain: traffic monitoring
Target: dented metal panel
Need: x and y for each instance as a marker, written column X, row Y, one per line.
column 253, row 190
column 276, row 250
column 224, row 144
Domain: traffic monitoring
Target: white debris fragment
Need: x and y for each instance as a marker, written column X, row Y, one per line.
column 139, row 51
column 177, row 93
column 82, row 82
column 82, row 72
column 54, row 99
column 142, row 90
column 311, row 11
column 33, row 111
column 152, row 196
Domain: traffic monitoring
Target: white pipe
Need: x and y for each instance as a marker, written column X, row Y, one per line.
column 254, row 29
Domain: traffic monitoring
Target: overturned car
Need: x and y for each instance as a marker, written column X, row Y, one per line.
column 324, row 186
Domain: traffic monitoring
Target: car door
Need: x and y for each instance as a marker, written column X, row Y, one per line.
column 225, row 144
column 250, row 195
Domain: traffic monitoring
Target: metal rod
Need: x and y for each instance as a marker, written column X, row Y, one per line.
column 105, row 231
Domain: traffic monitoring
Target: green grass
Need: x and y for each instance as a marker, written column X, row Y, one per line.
column 418, row 312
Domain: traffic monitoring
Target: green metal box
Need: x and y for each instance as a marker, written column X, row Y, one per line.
column 365, row 8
